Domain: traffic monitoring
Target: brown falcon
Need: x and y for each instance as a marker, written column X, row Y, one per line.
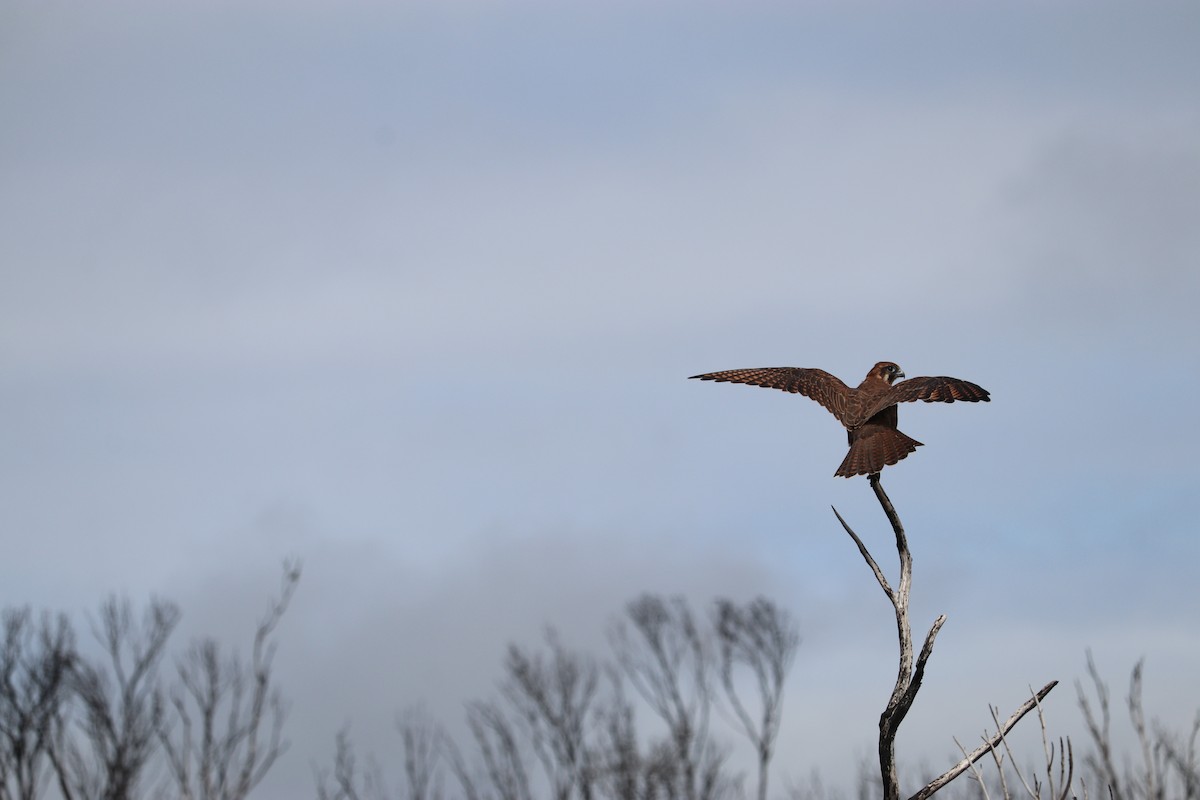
column 868, row 412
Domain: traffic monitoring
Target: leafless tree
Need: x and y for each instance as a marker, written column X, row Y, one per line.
column 1101, row 761
column 35, row 666
column 1169, row 765
column 1181, row 754
column 908, row 680
column 102, row 751
column 505, row 772
column 620, row 767
column 764, row 638
column 423, row 748
column 553, row 699
column 228, row 721
column 1152, row 778
column 628, row 769
column 581, row 731
column 565, row 726
column 669, row 661
column 344, row 782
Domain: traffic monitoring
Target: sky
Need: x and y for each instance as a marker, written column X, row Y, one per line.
column 409, row 292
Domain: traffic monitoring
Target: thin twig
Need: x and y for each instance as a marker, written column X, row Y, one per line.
column 976, row 772
column 1033, row 795
column 866, row 554
column 1066, row 757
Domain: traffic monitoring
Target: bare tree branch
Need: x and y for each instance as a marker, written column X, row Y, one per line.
column 121, row 704
column 1098, row 730
column 909, row 675
column 620, row 766
column 764, row 638
column 342, row 784
column 1066, row 758
column 1033, row 795
column 422, row 754
column 35, row 667
column 669, row 663
column 553, row 698
column 1183, row 757
column 976, row 772
column 908, row 682
column 216, row 747
column 498, row 745
column 866, row 554
column 988, row 745
column 1153, row 778
column 458, row 766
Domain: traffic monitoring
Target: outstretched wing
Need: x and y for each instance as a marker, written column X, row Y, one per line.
column 930, row 390
column 817, row 384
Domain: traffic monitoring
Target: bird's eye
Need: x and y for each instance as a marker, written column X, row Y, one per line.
column 891, row 367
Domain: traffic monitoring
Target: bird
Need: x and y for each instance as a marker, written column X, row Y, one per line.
column 868, row 411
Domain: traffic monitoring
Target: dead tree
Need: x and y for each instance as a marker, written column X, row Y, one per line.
column 1101, row 761
column 620, row 767
column 553, row 699
column 762, row 637
column 344, row 781
column 35, row 666
column 504, row 765
column 910, row 675
column 422, row 754
column 423, row 747
column 1169, row 765
column 670, row 663
column 102, row 750
column 1181, row 754
column 228, row 720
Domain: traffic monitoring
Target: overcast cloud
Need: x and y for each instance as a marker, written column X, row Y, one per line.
column 409, row 291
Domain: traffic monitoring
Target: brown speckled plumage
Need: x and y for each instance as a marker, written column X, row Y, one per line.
column 868, row 411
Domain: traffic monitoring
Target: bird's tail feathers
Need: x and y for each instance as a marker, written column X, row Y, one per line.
column 875, row 447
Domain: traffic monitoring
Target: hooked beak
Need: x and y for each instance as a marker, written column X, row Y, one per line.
column 899, row 373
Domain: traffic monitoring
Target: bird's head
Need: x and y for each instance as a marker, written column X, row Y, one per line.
column 887, row 371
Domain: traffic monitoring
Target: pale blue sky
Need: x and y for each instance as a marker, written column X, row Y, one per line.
column 410, row 291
